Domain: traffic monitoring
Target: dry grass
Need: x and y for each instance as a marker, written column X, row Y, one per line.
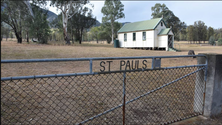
column 11, row 50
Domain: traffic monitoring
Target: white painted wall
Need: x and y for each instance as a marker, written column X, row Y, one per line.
column 149, row 42
column 149, row 39
column 163, row 41
column 156, row 37
column 139, row 40
column 157, row 31
column 159, row 27
column 121, row 39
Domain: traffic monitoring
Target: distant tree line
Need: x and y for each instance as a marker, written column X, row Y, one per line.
column 200, row 32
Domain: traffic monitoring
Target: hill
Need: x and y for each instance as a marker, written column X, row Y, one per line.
column 50, row 15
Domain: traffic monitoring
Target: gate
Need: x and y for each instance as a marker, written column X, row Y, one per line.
column 140, row 91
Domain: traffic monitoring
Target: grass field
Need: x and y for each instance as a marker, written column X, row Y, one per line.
column 74, row 99
column 11, row 50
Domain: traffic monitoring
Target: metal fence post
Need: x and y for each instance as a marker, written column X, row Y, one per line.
column 90, row 66
column 124, row 96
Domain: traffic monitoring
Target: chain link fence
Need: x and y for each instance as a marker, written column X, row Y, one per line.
column 156, row 96
column 153, row 95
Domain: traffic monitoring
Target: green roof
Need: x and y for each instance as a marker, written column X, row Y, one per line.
column 141, row 25
column 164, row 31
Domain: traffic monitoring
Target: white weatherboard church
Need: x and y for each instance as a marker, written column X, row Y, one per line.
column 151, row 34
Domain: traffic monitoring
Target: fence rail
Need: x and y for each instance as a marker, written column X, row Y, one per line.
column 91, row 63
column 156, row 95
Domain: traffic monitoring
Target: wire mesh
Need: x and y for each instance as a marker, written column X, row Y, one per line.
column 168, row 104
column 97, row 99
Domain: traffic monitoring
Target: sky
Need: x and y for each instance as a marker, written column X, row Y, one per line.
column 210, row 12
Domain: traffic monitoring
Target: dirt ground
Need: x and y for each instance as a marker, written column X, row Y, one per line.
column 67, row 97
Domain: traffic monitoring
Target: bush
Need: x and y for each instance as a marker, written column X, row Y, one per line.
column 219, row 42
column 212, row 41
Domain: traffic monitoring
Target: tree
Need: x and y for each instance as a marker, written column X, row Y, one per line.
column 210, row 32
column 57, row 28
column 2, row 30
column 220, row 42
column 204, row 33
column 27, row 22
column 106, row 32
column 5, row 31
column 170, row 19
column 40, row 28
column 212, row 40
column 191, row 33
column 95, row 32
column 218, row 33
column 160, row 10
column 183, row 35
column 112, row 11
column 68, row 8
column 13, row 13
column 11, row 35
column 80, row 22
column 201, row 29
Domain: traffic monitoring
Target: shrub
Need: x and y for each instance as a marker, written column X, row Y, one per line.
column 219, row 42
column 212, row 41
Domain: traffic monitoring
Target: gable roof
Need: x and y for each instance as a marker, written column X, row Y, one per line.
column 141, row 25
column 164, row 31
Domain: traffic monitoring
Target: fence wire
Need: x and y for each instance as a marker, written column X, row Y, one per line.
column 159, row 96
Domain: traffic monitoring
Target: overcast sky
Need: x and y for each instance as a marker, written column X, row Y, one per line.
column 210, row 12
